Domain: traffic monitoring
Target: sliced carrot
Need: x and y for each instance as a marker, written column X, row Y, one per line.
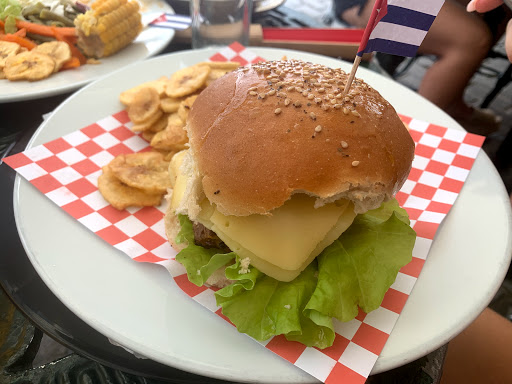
column 74, row 62
column 21, row 32
column 24, row 42
column 45, row 30
column 75, row 52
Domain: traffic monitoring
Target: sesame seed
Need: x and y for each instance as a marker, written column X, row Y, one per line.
column 345, row 111
column 287, row 102
column 253, row 93
column 262, row 95
column 344, row 144
column 290, row 89
column 312, row 115
column 253, row 88
column 318, row 100
column 311, row 96
column 333, row 101
column 304, row 93
column 298, row 89
column 346, row 98
column 337, row 106
column 281, row 94
column 321, row 90
column 297, row 104
column 277, row 111
column 355, row 163
column 355, row 113
column 318, row 128
column 272, row 92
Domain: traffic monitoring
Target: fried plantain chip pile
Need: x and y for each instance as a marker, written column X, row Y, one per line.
column 159, row 111
column 18, row 63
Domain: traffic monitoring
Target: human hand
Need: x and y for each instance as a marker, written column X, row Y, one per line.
column 483, row 6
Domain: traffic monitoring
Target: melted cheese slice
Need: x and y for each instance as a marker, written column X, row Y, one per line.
column 282, row 244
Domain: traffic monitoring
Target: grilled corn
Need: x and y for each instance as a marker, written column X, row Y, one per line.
column 109, row 26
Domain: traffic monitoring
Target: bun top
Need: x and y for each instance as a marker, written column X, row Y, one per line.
column 265, row 132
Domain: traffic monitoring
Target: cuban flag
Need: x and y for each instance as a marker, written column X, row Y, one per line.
column 170, row 20
column 398, row 27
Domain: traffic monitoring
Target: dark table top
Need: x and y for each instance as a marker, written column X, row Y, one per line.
column 37, row 310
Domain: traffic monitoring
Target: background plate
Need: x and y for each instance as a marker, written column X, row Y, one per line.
column 139, row 306
column 149, row 42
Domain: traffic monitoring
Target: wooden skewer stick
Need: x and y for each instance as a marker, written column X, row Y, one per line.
column 372, row 21
column 357, row 60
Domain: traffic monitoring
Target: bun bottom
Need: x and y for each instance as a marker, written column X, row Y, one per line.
column 172, row 228
column 218, row 279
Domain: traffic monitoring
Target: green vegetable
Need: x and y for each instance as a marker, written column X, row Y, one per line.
column 199, row 262
column 10, row 10
column 355, row 271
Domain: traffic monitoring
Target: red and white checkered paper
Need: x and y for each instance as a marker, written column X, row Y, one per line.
column 66, row 171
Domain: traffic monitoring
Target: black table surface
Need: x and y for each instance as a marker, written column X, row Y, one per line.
column 36, row 305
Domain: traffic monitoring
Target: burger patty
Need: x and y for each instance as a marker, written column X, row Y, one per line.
column 207, row 238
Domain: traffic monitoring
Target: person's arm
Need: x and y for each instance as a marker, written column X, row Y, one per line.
column 483, row 6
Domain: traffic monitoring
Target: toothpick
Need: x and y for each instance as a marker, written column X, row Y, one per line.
column 372, row 22
column 357, row 60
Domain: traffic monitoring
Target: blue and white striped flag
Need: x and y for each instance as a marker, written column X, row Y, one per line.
column 398, row 27
column 170, row 20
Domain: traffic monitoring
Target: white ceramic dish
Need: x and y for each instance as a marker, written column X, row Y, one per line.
column 150, row 42
column 139, row 306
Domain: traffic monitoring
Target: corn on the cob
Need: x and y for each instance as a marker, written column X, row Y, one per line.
column 108, row 26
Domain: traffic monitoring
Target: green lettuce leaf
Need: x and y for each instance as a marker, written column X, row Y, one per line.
column 273, row 307
column 10, row 10
column 359, row 267
column 199, row 262
column 355, row 271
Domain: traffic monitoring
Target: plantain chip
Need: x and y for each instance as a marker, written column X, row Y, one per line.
column 187, row 80
column 146, row 125
column 126, row 97
column 172, row 138
column 144, row 106
column 144, row 170
column 59, row 51
column 121, row 196
column 224, row 65
column 29, row 65
column 185, row 106
column 170, row 104
column 7, row 49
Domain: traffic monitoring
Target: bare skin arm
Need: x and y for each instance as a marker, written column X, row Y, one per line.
column 459, row 40
column 482, row 353
column 483, row 6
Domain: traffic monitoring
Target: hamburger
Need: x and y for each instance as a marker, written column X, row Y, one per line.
column 284, row 200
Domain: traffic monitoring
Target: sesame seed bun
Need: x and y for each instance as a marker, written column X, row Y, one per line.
column 261, row 134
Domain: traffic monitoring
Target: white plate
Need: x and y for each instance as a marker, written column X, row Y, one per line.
column 150, row 42
column 139, row 306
